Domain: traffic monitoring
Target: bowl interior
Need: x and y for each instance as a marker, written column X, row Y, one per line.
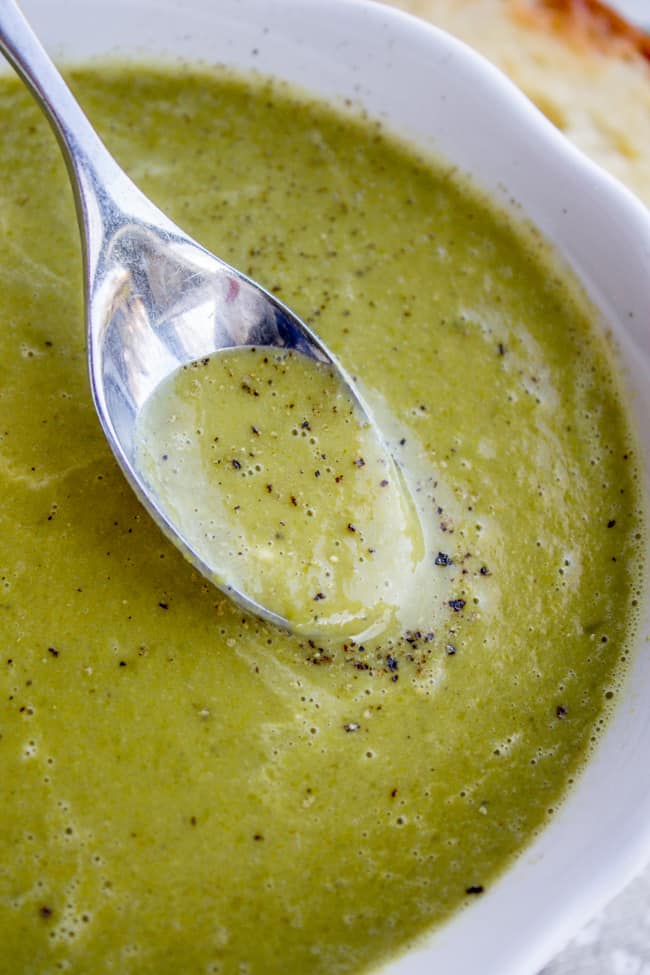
column 433, row 91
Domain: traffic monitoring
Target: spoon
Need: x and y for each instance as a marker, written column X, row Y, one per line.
column 155, row 299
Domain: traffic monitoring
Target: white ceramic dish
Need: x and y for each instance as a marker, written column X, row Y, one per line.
column 440, row 95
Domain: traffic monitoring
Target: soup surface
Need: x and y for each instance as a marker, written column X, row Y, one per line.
column 184, row 788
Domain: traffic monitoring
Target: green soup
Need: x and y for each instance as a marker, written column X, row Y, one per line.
column 184, row 788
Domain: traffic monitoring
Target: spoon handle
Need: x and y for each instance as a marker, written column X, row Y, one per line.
column 104, row 194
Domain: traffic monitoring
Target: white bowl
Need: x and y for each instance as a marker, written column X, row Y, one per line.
column 442, row 96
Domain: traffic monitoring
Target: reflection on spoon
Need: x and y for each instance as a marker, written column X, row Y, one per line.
column 157, row 301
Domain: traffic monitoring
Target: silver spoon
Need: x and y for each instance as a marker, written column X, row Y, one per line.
column 155, row 299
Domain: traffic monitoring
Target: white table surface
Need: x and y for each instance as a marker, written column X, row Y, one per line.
column 616, row 941
column 635, row 10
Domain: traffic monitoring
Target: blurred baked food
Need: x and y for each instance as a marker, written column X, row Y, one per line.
column 584, row 66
